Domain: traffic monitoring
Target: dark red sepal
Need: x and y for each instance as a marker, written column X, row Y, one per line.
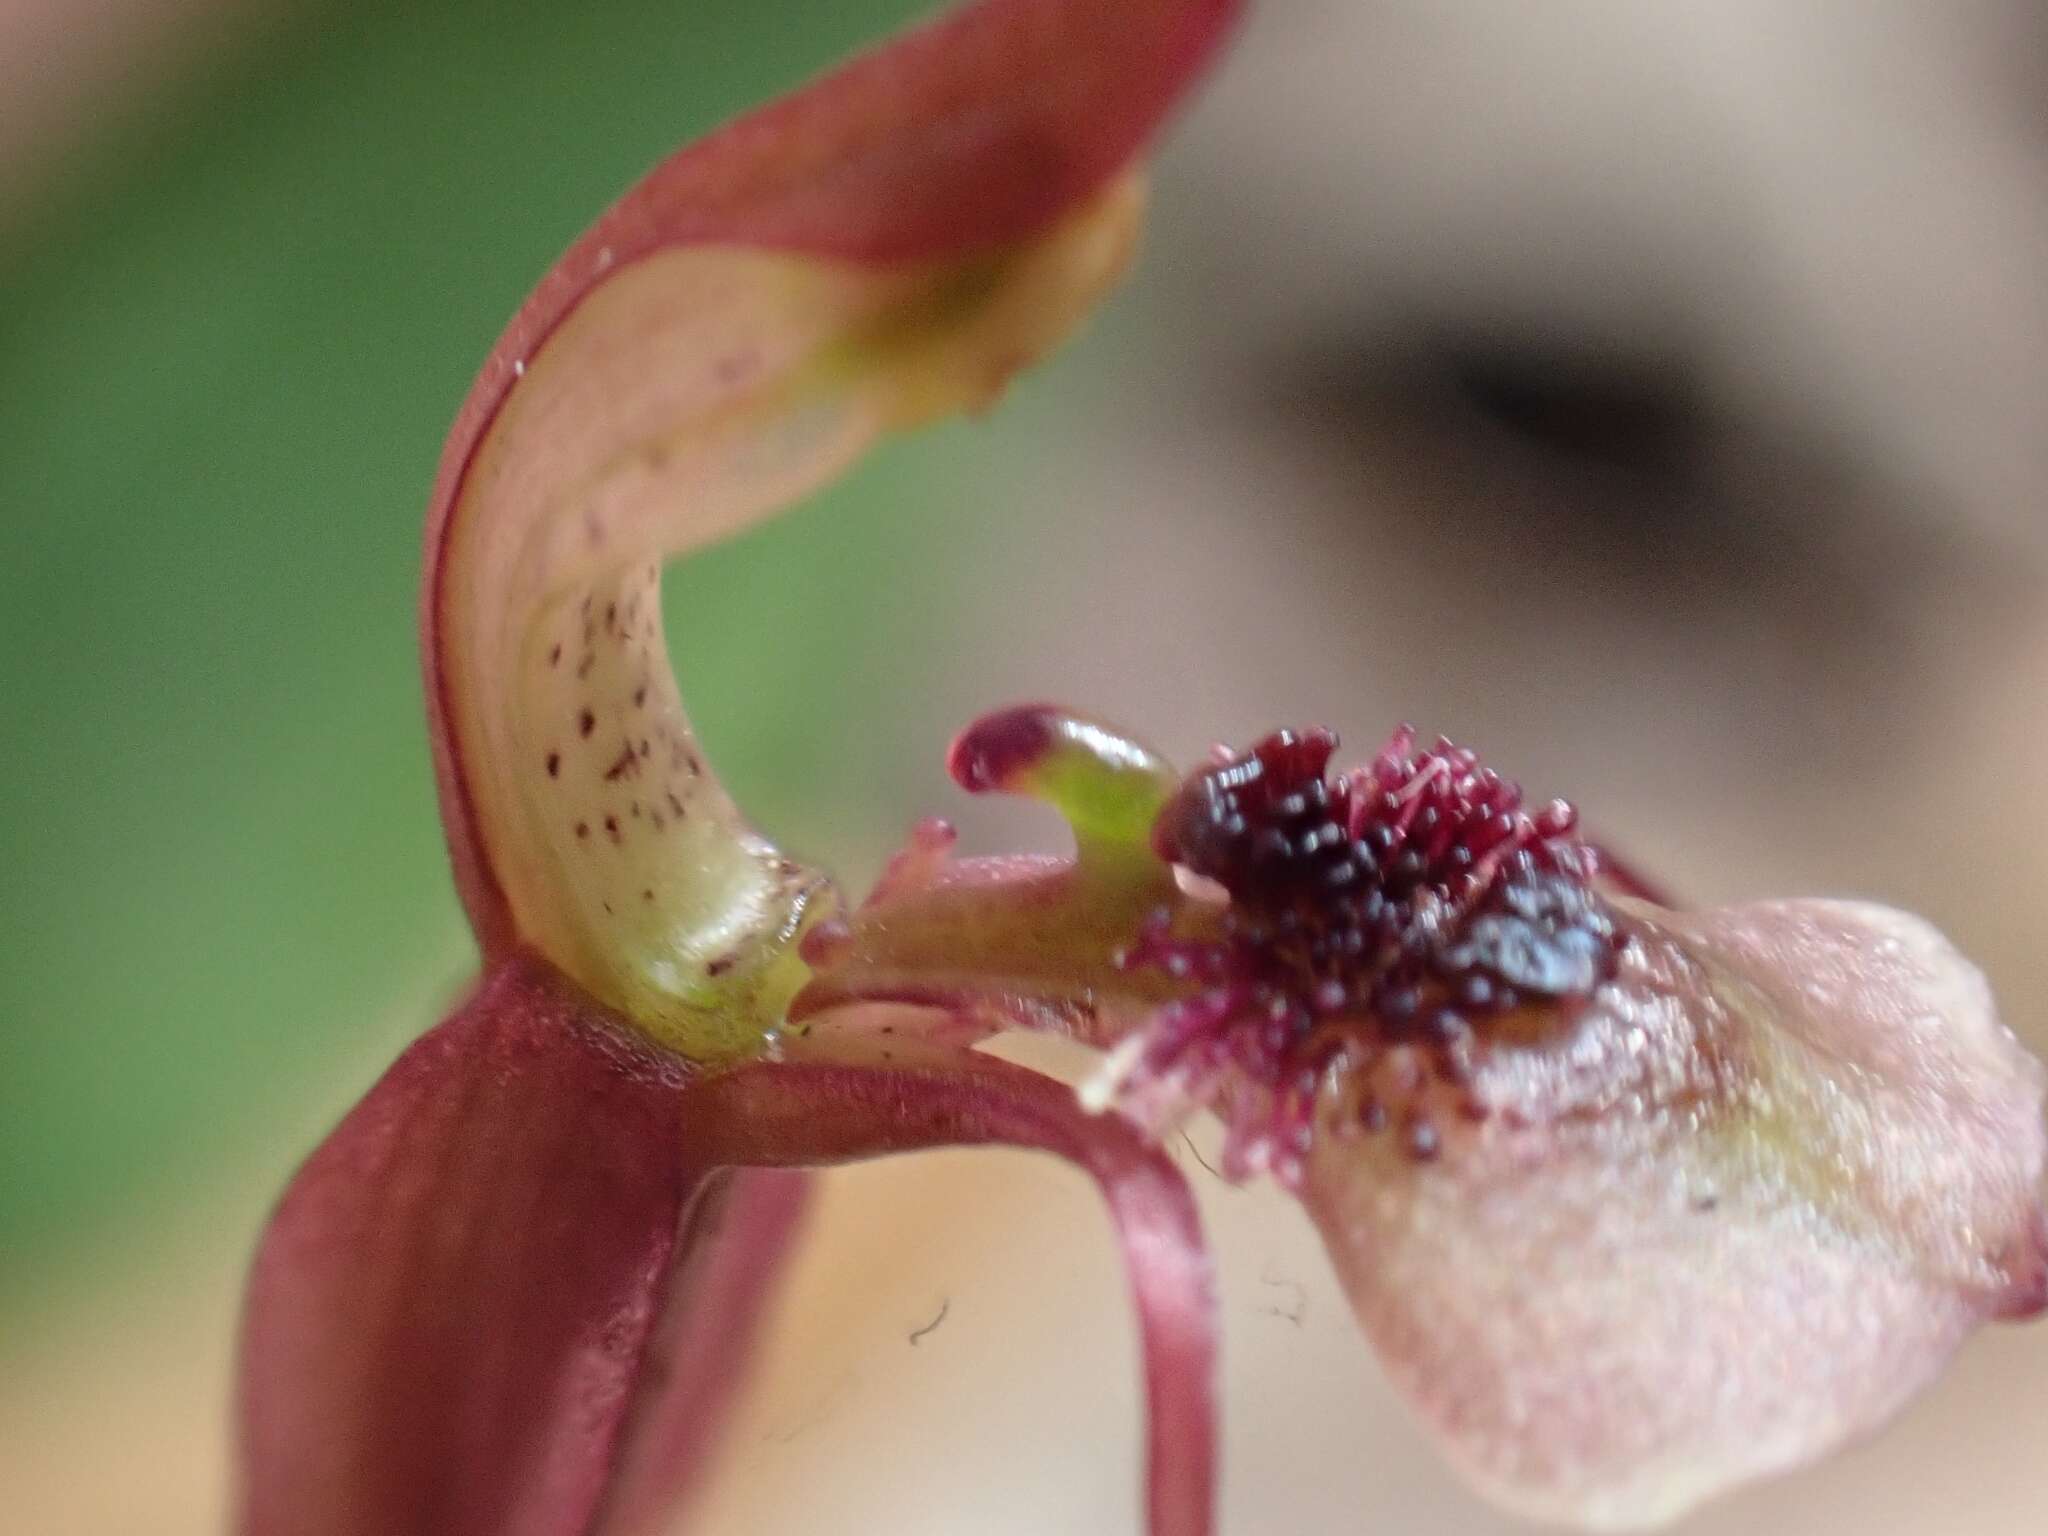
column 453, row 1302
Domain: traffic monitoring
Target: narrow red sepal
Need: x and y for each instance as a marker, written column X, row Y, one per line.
column 450, row 1308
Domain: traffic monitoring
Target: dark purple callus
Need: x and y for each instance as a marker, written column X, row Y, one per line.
column 1390, row 911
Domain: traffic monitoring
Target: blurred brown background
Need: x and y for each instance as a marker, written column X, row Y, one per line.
column 1652, row 397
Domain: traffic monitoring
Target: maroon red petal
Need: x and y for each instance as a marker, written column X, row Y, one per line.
column 453, row 1301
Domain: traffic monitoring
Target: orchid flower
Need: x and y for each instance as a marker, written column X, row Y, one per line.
column 1635, row 1202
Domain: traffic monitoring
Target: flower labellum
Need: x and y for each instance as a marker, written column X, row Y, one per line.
column 1635, row 1202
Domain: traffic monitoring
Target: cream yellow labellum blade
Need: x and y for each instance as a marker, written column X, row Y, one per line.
column 691, row 394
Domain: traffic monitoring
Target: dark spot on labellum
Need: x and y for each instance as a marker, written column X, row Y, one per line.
column 583, row 829
column 647, row 893
column 640, row 697
column 675, row 805
column 554, row 765
column 626, row 762
column 720, row 964
column 555, row 654
column 586, row 722
column 611, row 827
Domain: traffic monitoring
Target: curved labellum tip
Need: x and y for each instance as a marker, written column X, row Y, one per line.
column 888, row 245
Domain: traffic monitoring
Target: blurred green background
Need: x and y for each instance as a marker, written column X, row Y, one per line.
column 233, row 329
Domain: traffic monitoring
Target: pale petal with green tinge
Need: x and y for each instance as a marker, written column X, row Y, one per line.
column 693, row 393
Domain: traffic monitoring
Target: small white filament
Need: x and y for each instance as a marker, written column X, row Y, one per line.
column 1100, row 1088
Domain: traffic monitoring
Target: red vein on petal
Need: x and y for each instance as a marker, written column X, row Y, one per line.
column 806, row 1113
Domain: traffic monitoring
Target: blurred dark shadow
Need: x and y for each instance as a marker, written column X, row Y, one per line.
column 1552, row 476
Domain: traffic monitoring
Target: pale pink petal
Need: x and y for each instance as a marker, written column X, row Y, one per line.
column 1737, row 1215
